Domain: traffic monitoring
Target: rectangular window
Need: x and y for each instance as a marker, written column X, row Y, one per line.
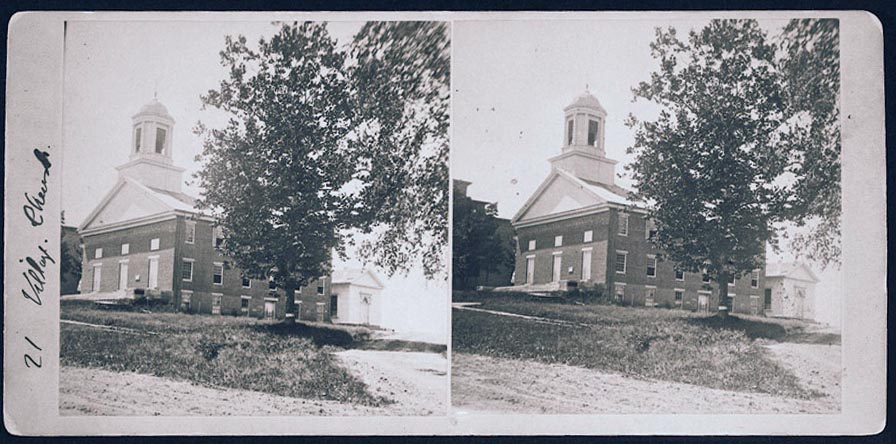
column 191, row 232
column 320, row 290
column 154, row 244
column 531, row 244
column 732, row 282
column 187, row 270
column 589, row 236
column 334, row 306
column 98, row 254
column 592, row 132
column 125, row 249
column 649, row 230
column 217, row 238
column 705, row 278
column 651, row 265
column 621, row 257
column 623, row 224
column 247, row 283
column 138, row 139
column 558, row 241
column 731, row 298
column 679, row 275
column 754, row 279
column 619, row 291
column 271, row 284
column 160, row 140
column 569, row 130
column 679, row 296
column 218, row 273
column 244, row 304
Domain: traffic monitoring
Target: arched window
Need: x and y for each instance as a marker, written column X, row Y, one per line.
column 593, row 129
column 138, row 139
column 160, row 140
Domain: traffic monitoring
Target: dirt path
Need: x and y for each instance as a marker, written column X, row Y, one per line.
column 817, row 365
column 492, row 385
column 418, row 382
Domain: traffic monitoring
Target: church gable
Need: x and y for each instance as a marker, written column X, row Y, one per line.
column 127, row 201
column 557, row 195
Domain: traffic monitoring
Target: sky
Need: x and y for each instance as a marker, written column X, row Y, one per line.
column 512, row 79
column 113, row 68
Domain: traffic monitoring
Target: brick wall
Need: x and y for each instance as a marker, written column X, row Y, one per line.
column 606, row 241
column 573, row 231
column 138, row 240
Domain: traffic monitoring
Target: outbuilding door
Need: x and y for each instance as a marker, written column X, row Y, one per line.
column 365, row 308
column 703, row 303
column 800, row 301
column 216, row 304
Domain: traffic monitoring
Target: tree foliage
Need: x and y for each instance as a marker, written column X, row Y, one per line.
column 274, row 176
column 708, row 165
column 477, row 246
column 810, row 65
column 400, row 77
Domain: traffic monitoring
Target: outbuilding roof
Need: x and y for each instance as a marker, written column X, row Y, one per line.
column 355, row 276
column 789, row 269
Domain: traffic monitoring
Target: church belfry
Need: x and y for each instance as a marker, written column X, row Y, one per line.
column 584, row 129
column 583, row 151
column 151, row 161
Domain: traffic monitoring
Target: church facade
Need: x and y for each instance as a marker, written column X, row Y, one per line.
column 581, row 229
column 147, row 237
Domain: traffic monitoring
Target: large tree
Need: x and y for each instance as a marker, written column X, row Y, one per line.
column 275, row 176
column 477, row 246
column 709, row 166
column 810, row 65
column 400, row 78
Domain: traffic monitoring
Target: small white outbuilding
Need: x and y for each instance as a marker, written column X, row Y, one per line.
column 790, row 290
column 357, row 294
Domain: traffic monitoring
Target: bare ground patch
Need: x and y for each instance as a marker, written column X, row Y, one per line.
column 497, row 385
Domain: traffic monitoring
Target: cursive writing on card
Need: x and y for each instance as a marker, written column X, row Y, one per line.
column 35, row 272
column 35, row 206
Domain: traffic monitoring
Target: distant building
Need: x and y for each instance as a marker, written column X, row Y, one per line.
column 790, row 290
column 147, row 236
column 70, row 274
column 502, row 275
column 580, row 228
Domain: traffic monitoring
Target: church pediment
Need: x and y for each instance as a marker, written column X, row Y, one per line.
column 558, row 194
column 126, row 201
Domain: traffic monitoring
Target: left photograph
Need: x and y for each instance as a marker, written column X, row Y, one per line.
column 255, row 218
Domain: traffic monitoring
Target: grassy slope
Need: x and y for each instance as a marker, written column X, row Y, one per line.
column 214, row 351
column 669, row 345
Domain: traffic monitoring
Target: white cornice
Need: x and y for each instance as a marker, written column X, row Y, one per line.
column 146, row 220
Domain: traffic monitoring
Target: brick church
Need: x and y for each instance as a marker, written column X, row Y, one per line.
column 580, row 228
column 146, row 237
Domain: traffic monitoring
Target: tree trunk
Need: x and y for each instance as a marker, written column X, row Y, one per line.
column 724, row 303
column 290, row 310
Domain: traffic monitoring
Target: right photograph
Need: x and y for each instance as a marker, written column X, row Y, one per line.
column 646, row 216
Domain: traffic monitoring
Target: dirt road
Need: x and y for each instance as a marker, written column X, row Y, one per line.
column 418, row 383
column 492, row 385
